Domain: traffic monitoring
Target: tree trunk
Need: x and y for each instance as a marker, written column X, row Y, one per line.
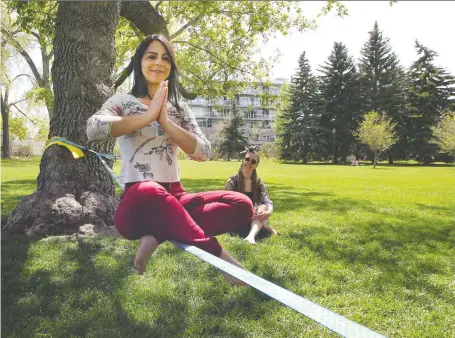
column 72, row 193
column 6, row 153
column 390, row 157
column 426, row 160
column 375, row 158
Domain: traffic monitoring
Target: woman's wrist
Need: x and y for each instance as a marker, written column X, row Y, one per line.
column 166, row 124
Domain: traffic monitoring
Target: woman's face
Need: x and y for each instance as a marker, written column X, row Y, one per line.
column 156, row 63
column 250, row 162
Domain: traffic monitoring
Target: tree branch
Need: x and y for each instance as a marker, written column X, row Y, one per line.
column 186, row 94
column 158, row 5
column 135, row 29
column 20, row 111
column 185, row 26
column 36, row 35
column 18, row 101
column 124, row 74
column 24, row 53
column 18, row 76
column 217, row 58
column 194, row 74
column 144, row 17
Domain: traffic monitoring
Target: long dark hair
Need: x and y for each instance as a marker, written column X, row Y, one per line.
column 255, row 180
column 140, row 88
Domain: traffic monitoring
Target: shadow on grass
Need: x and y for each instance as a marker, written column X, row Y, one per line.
column 40, row 301
column 369, row 164
column 403, row 254
column 284, row 197
column 84, row 303
column 80, row 294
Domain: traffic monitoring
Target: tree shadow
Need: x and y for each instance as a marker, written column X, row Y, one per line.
column 83, row 302
column 396, row 251
column 284, row 197
column 80, row 297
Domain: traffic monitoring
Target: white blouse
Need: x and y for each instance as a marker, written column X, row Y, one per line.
column 148, row 153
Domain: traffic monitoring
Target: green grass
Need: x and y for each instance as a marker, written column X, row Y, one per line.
column 374, row 245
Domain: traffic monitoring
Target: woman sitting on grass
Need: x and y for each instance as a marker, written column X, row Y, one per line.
column 247, row 182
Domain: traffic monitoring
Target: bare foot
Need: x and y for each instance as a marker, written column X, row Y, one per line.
column 232, row 280
column 148, row 246
column 251, row 240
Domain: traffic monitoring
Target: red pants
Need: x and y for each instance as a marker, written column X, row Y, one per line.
column 168, row 213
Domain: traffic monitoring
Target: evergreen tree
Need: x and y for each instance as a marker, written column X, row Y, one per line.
column 297, row 125
column 383, row 82
column 340, row 104
column 429, row 93
column 232, row 139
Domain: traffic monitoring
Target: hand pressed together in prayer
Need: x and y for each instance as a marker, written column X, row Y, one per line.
column 158, row 103
column 163, row 117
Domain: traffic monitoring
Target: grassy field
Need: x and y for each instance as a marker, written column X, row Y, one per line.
column 374, row 245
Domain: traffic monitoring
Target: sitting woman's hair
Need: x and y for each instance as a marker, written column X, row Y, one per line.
column 255, row 180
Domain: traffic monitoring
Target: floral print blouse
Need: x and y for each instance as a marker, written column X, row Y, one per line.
column 148, row 153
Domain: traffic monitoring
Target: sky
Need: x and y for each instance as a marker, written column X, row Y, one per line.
column 430, row 22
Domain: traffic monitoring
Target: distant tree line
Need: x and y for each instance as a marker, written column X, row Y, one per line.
column 322, row 114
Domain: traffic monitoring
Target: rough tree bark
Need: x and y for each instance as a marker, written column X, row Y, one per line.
column 72, row 193
column 5, row 127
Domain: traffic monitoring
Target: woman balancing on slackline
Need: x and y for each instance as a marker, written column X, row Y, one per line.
column 151, row 122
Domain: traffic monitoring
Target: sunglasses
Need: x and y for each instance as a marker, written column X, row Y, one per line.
column 247, row 159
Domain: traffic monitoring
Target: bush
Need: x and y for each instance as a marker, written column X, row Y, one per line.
column 268, row 151
column 22, row 150
column 350, row 158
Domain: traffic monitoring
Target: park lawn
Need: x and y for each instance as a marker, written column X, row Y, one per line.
column 374, row 245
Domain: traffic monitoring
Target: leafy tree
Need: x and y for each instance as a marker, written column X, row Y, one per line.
column 17, row 128
column 340, row 105
column 444, row 134
column 430, row 90
column 382, row 81
column 43, row 130
column 377, row 131
column 7, row 83
column 41, row 35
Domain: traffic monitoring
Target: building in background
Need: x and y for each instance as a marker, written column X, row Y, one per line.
column 258, row 118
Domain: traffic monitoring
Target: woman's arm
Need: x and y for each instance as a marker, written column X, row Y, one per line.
column 264, row 197
column 266, row 205
column 126, row 124
column 109, row 121
column 231, row 184
column 184, row 139
column 188, row 136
